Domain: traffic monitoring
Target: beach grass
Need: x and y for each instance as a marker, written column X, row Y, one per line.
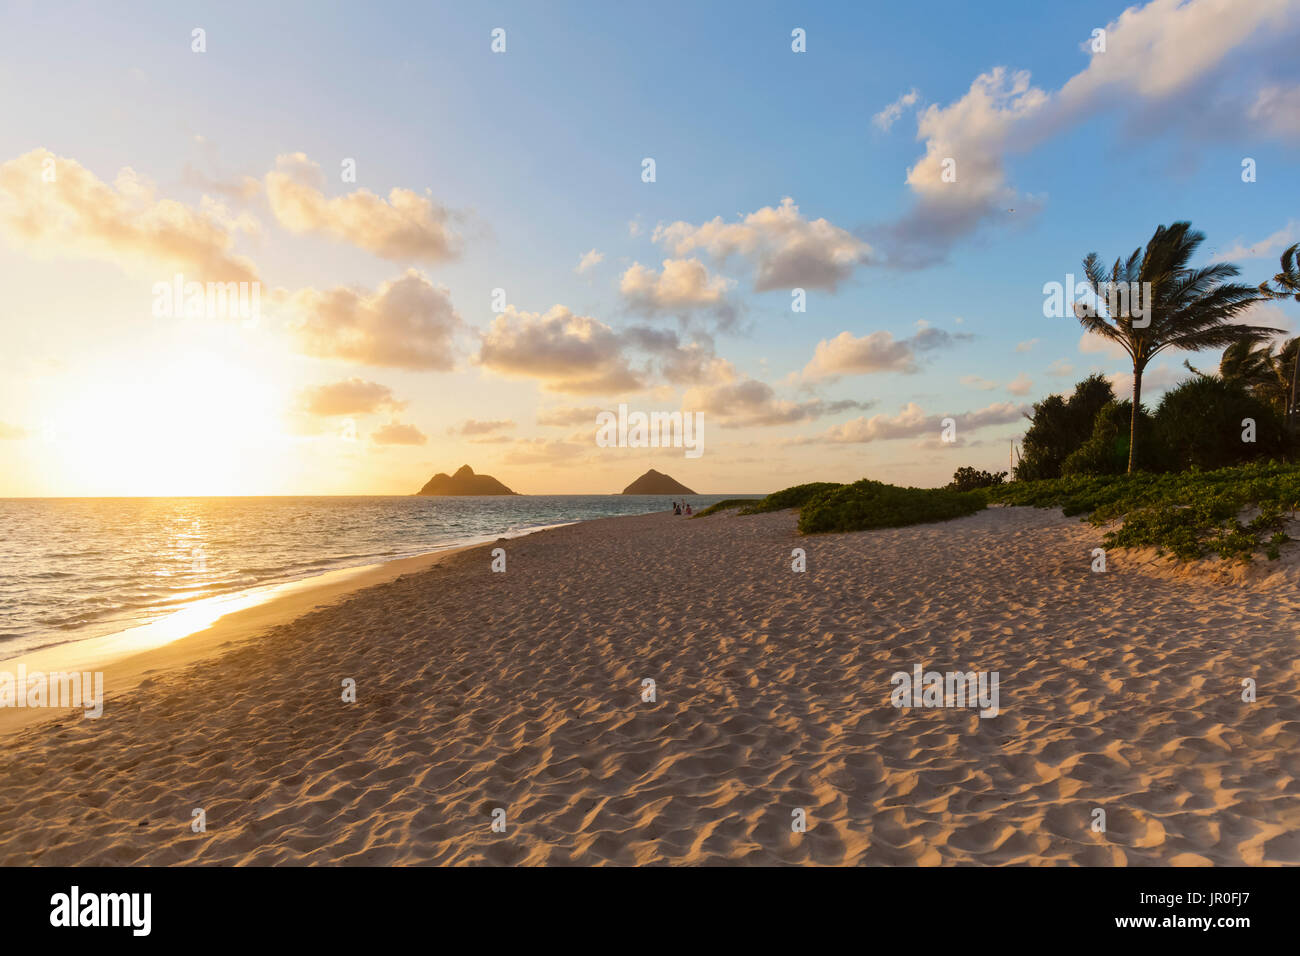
column 1232, row 512
column 725, row 505
column 793, row 497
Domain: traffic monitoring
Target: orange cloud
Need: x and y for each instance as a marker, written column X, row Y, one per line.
column 352, row 397
column 406, row 227
column 407, row 323
column 683, row 284
column 56, row 207
column 396, row 433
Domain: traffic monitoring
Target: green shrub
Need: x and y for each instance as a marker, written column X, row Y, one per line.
column 869, row 504
column 1106, row 450
column 1189, row 514
column 795, row 497
column 723, row 506
column 969, row 479
column 1059, row 426
column 1199, row 422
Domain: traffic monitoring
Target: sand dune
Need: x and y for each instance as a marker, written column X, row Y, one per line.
column 523, row 691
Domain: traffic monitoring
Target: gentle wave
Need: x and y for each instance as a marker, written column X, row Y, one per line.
column 77, row 568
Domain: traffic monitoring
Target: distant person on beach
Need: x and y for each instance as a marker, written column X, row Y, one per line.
column 688, row 509
column 677, row 509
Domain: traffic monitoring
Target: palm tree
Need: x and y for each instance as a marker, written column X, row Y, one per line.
column 1288, row 366
column 1189, row 309
column 1284, row 285
column 1265, row 373
column 1248, row 362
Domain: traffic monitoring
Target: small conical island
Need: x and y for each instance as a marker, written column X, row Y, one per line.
column 464, row 482
column 656, row 483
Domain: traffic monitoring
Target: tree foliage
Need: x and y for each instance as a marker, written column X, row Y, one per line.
column 1059, row 426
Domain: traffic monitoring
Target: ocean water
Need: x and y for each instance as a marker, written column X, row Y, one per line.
column 77, row 568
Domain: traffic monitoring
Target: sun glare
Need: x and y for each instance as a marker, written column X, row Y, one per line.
column 193, row 424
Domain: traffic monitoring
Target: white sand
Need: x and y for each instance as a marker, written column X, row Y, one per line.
column 523, row 691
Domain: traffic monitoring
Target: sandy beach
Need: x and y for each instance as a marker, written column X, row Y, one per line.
column 522, row 691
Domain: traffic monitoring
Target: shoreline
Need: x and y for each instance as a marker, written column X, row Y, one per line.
column 195, row 633
column 94, row 633
column 199, row 614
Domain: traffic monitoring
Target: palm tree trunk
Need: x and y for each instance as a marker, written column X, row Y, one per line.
column 1295, row 380
column 1133, row 421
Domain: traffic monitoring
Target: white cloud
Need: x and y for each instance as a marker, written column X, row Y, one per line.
column 1021, row 385
column 747, row 402
column 787, row 250
column 240, row 189
column 682, row 284
column 589, row 260
column 887, row 117
column 1090, row 343
column 566, row 352
column 404, row 227
column 912, row 422
column 1155, row 380
column 1158, row 58
column 847, row 354
column 1266, row 248
column 681, row 363
column 1277, row 109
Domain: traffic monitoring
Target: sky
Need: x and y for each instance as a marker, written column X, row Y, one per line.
column 460, row 253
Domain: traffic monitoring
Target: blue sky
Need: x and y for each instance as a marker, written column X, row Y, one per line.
column 536, row 155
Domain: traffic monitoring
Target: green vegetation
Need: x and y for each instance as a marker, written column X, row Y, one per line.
column 1059, row 426
column 1265, row 369
column 1198, row 424
column 969, row 479
column 795, row 497
column 829, row 506
column 1106, row 452
column 723, row 505
column 872, row 504
column 1282, row 367
column 1189, row 514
